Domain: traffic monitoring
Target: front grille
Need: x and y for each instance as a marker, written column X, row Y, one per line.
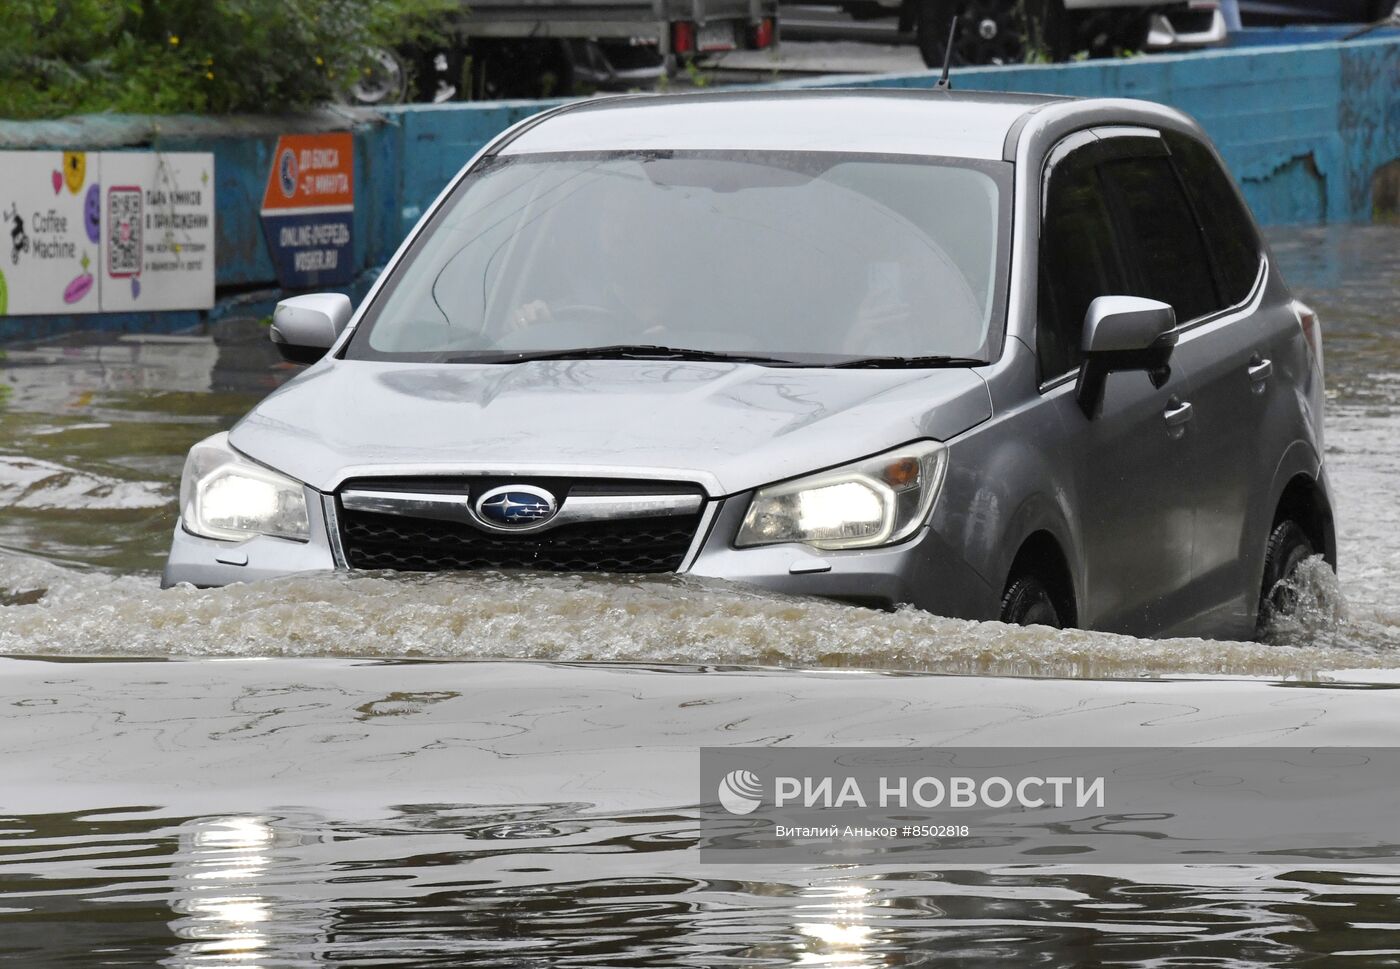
column 383, row 541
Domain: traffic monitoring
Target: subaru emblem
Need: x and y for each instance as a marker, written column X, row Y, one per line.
column 516, row 506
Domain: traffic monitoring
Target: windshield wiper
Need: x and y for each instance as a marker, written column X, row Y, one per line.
column 907, row 363
column 621, row 351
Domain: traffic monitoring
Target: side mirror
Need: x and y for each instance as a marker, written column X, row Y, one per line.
column 305, row 327
column 1123, row 333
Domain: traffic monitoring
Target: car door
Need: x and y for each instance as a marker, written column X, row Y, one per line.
column 1226, row 347
column 1132, row 465
column 1158, row 219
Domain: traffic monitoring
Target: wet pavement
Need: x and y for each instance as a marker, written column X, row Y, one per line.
column 311, row 796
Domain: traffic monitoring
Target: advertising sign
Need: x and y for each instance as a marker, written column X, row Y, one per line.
column 50, row 251
column 158, row 231
column 308, row 210
column 88, row 232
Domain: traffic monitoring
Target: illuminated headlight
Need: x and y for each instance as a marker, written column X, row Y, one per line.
column 226, row 496
column 878, row 501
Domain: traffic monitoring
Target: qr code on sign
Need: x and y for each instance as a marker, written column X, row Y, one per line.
column 124, row 231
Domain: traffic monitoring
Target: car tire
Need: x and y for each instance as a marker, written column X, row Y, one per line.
column 1289, row 546
column 1028, row 602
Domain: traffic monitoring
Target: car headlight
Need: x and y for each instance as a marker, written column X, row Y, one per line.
column 878, row 501
column 226, row 496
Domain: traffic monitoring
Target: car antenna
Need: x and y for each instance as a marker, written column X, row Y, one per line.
column 943, row 83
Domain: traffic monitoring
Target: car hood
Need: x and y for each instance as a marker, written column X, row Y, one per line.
column 730, row 427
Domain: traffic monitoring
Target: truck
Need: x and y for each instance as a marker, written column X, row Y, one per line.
column 1016, row 31
column 554, row 48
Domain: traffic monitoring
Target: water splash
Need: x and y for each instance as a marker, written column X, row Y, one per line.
column 578, row 618
column 1314, row 606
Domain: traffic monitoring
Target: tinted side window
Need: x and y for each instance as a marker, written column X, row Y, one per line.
column 1162, row 243
column 1078, row 261
column 1229, row 230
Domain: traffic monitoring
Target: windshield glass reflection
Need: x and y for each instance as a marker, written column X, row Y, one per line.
column 796, row 255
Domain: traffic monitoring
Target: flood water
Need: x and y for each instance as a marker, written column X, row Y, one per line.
column 311, row 772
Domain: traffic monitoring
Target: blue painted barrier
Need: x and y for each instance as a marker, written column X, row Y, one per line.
column 1303, row 126
column 1307, row 34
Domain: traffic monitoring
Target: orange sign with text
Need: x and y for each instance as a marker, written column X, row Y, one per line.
column 308, row 210
column 311, row 171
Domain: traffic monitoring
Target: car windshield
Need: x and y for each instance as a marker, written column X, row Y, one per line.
column 796, row 258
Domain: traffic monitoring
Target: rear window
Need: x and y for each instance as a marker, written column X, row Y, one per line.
column 1230, row 232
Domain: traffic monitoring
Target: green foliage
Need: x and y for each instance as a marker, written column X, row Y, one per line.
column 60, row 57
column 697, row 77
column 694, row 77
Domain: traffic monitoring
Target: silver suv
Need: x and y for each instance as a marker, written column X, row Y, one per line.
column 997, row 356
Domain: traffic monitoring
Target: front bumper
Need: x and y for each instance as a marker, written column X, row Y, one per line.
column 924, row 571
column 206, row 562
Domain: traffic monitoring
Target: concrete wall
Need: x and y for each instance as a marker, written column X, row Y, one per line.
column 1304, row 127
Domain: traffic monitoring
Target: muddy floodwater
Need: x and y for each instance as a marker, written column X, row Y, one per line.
column 502, row 771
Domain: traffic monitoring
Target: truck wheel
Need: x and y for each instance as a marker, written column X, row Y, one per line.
column 1028, row 603
column 382, row 80
column 1289, row 546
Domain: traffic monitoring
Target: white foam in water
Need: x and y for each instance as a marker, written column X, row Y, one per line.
column 1318, row 608
column 66, row 428
column 579, row 618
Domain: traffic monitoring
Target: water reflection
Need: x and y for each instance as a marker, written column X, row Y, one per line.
column 221, row 914
column 87, row 901
column 843, row 936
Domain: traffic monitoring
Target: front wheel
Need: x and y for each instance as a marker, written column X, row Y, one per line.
column 1028, row 602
